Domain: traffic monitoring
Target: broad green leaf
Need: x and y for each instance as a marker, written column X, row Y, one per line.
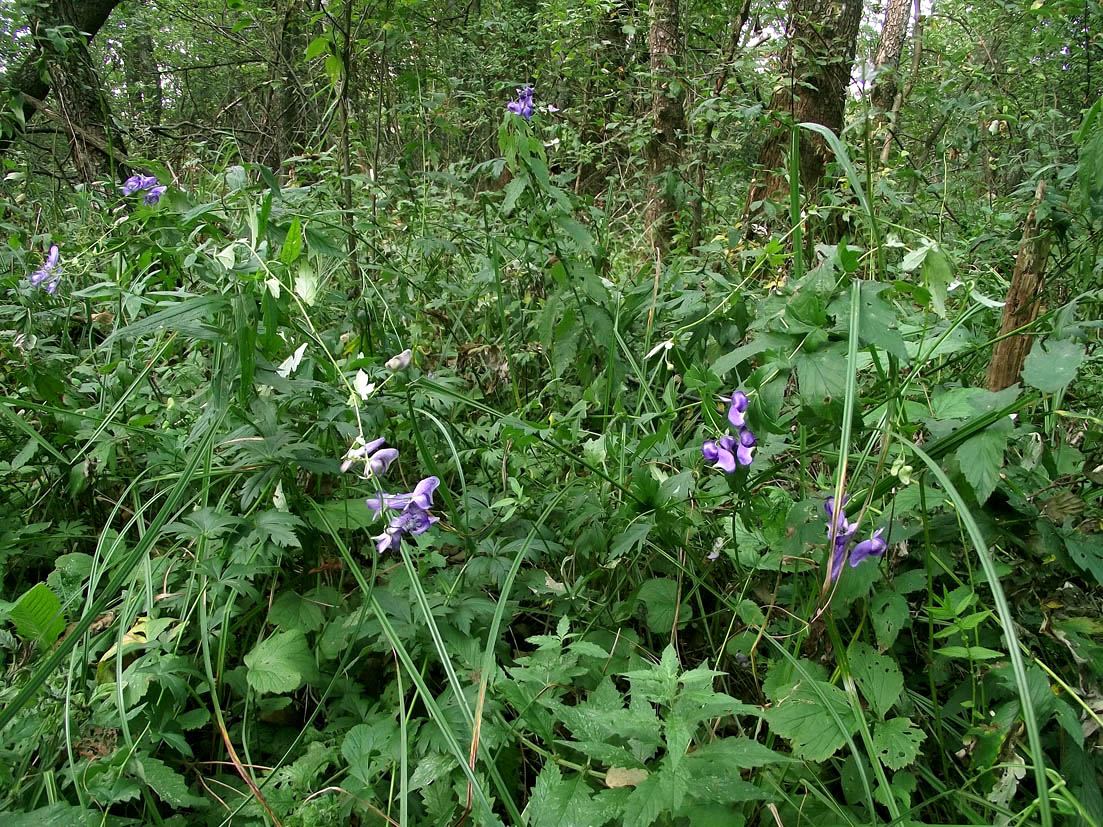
column 889, row 611
column 1051, row 365
column 658, row 793
column 280, row 663
column 937, row 277
column 897, row 742
column 981, row 459
column 37, row 615
column 514, row 188
column 877, row 321
column 293, row 611
column 969, row 652
column 279, row 527
column 1086, row 550
column 821, row 376
column 632, row 537
column 804, row 717
column 660, row 599
column 293, row 244
column 878, row 676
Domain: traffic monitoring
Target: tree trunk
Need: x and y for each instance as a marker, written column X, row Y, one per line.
column 1023, row 301
column 886, row 59
column 72, row 75
column 286, row 104
column 143, row 83
column 817, row 61
column 664, row 149
column 902, row 94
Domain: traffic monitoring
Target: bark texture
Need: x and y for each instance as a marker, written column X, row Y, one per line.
column 73, row 78
column 664, row 149
column 287, row 106
column 886, row 60
column 817, row 62
column 1023, row 301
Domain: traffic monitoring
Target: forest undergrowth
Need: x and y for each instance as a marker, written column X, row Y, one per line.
column 461, row 503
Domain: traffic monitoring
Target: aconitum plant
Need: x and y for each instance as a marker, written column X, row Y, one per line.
column 843, row 532
column 523, row 105
column 144, row 183
column 413, row 516
column 731, row 452
column 48, row 276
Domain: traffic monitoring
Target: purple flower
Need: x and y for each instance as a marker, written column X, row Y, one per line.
column 45, row 276
column 138, row 183
column 739, row 402
column 376, row 461
column 720, row 453
column 873, row 547
column 421, row 496
column 730, row 450
column 413, row 517
column 523, row 105
column 746, row 445
column 133, row 184
column 154, row 195
column 843, row 531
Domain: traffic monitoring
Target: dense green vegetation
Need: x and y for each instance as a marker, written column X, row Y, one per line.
column 719, row 508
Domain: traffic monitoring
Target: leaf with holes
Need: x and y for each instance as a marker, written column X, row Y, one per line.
column 889, row 612
column 877, row 676
column 810, row 717
column 897, row 742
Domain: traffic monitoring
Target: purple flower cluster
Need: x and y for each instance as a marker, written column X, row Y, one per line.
column 725, row 452
column 48, row 276
column 843, row 531
column 147, row 183
column 373, row 455
column 413, row 516
column 523, row 105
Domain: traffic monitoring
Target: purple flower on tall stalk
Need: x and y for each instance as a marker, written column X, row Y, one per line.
column 140, row 183
column 47, row 276
column 413, row 517
column 154, row 195
column 523, row 105
column 843, row 531
column 375, row 458
column 729, row 450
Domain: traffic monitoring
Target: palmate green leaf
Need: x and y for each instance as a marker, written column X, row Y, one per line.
column 279, row 527
column 878, row 676
column 1051, row 365
column 280, row 663
column 37, row 615
column 877, row 324
column 802, row 717
column 293, row 611
column 659, row 597
column 897, row 742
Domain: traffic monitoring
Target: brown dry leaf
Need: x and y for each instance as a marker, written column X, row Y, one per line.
column 623, row 777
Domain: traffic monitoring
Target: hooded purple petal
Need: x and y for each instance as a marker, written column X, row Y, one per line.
column 381, row 460
column 746, row 446
column 873, row 547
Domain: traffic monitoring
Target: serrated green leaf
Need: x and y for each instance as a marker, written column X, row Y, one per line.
column 936, row 278
column 878, row 676
column 889, row 612
column 557, row 801
column 877, row 321
column 37, row 615
column 1051, row 365
column 981, row 459
column 659, row 597
column 168, row 784
column 660, row 792
column 514, row 188
column 804, row 718
column 897, row 742
column 280, row 663
column 969, row 652
column 821, row 376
